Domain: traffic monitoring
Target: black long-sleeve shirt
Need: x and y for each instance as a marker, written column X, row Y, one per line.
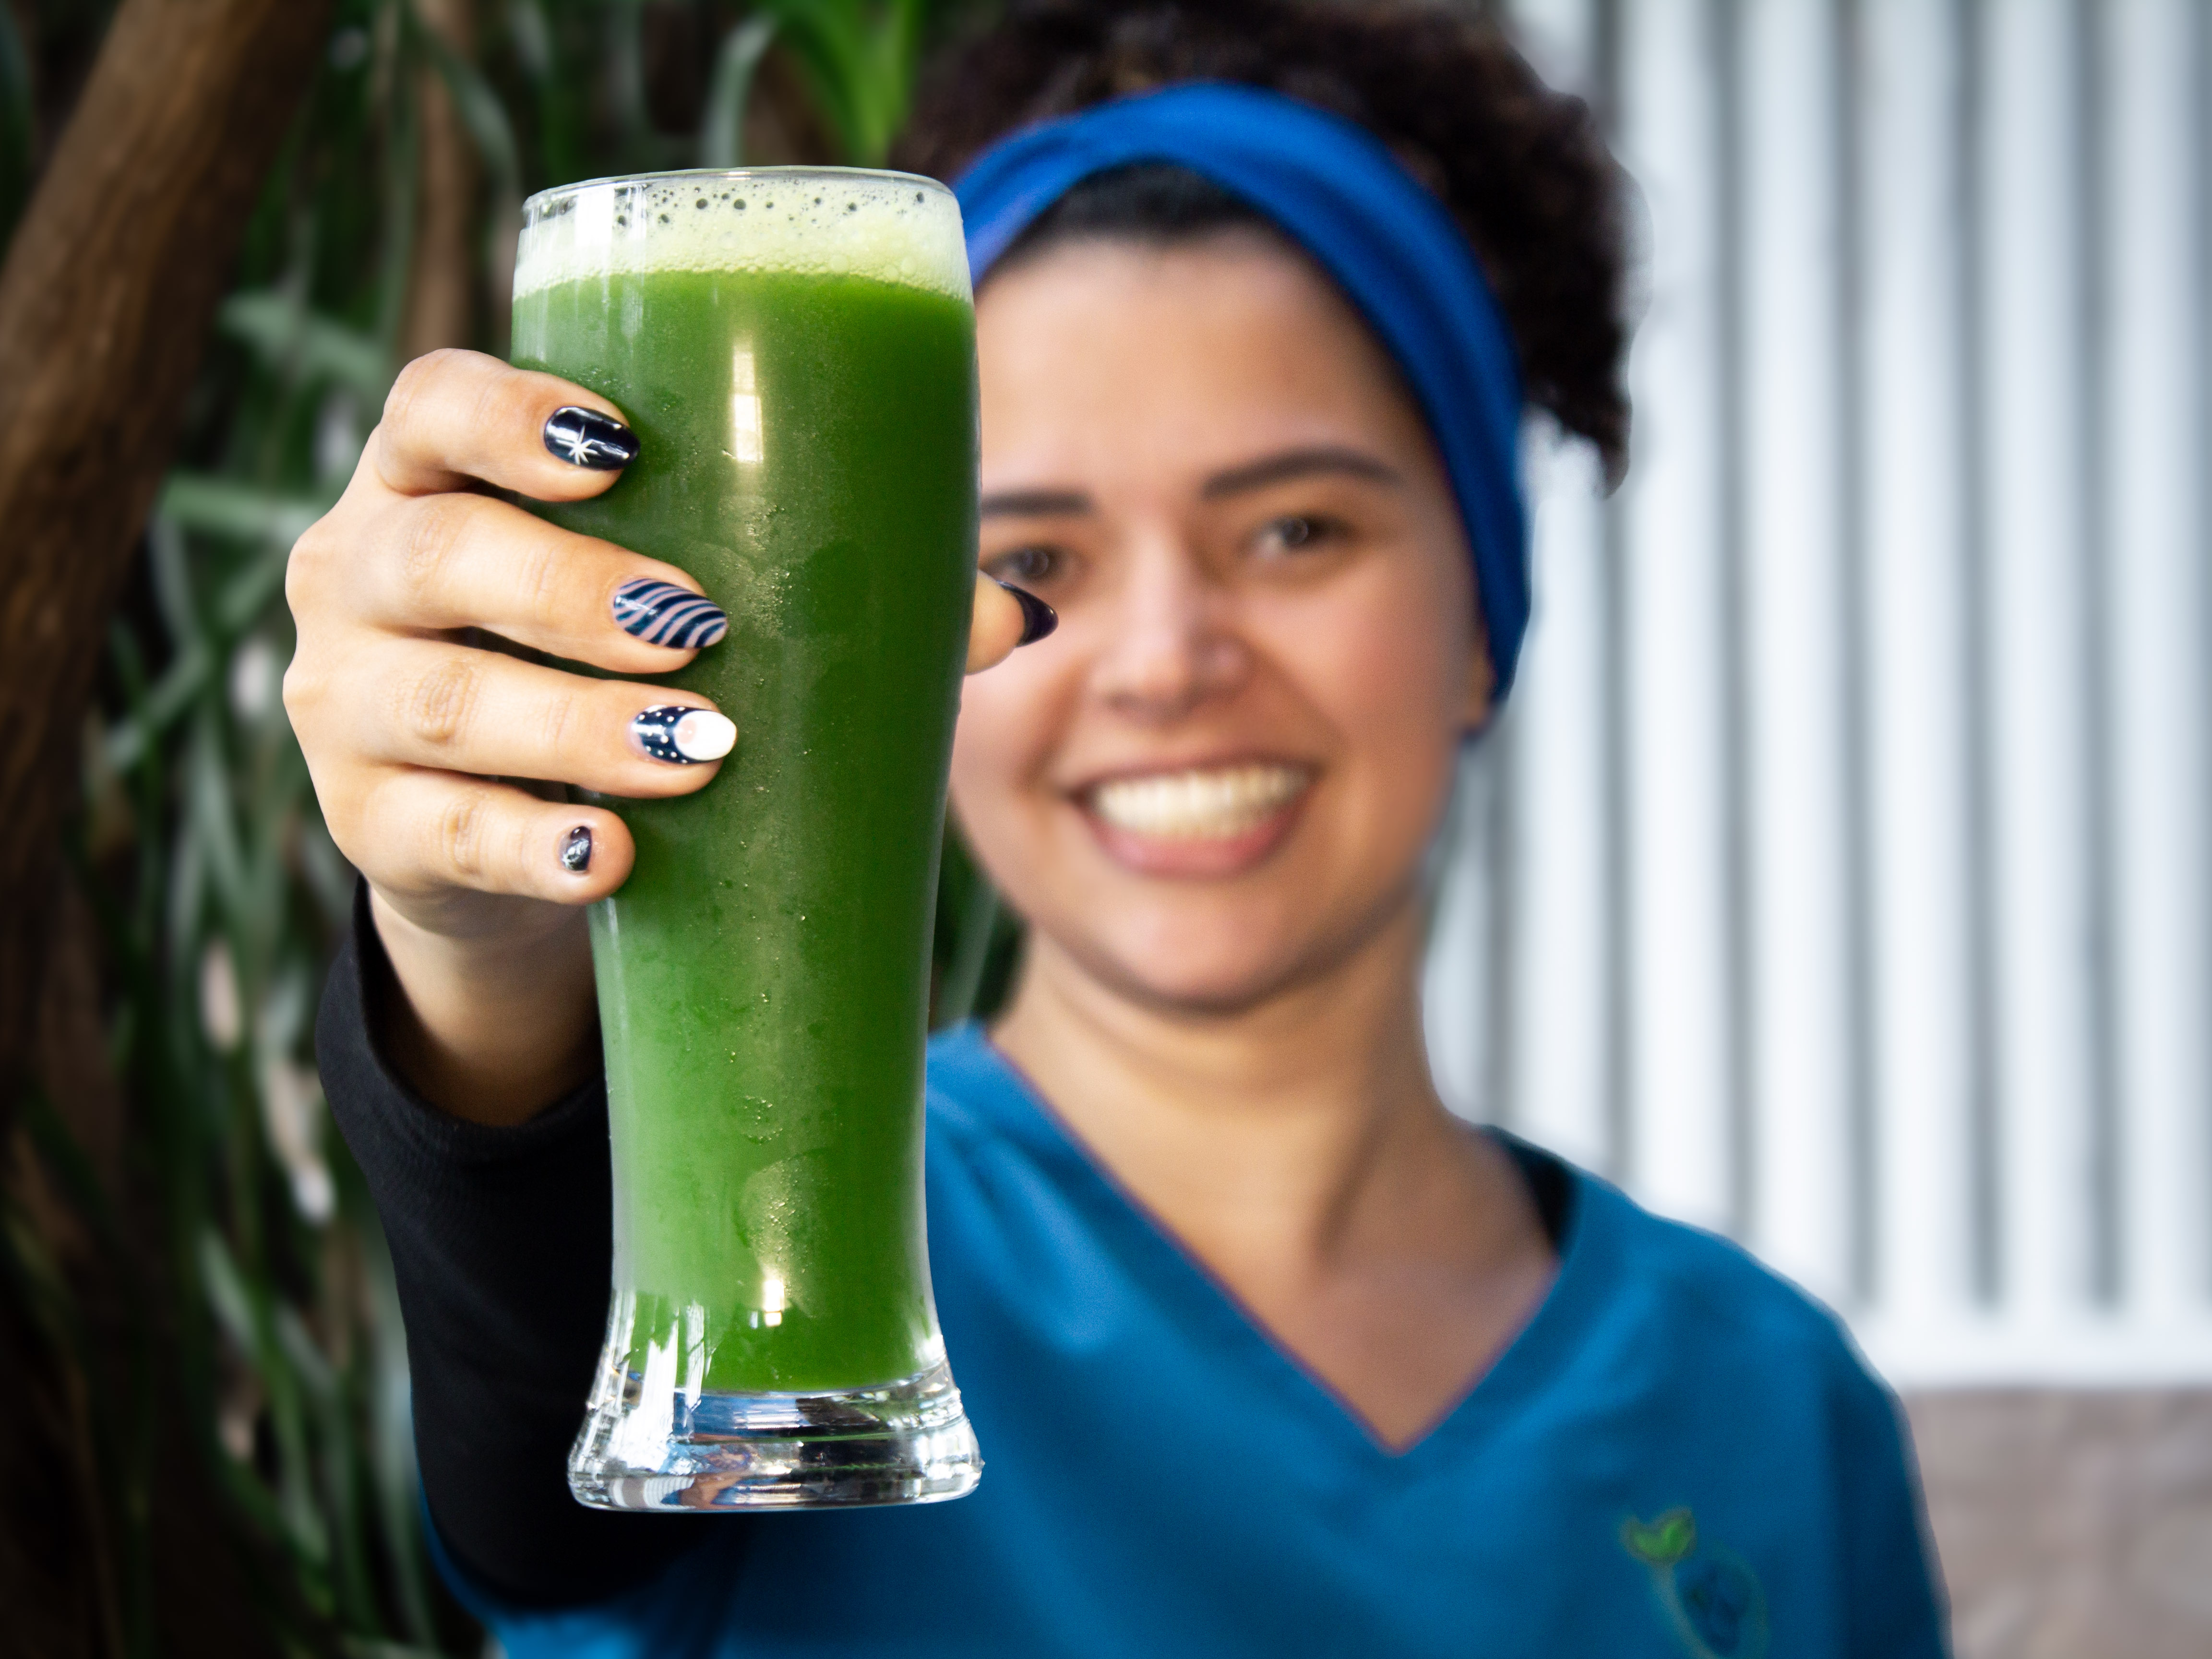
column 501, row 1242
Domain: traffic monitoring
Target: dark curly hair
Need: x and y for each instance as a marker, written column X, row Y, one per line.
column 1522, row 168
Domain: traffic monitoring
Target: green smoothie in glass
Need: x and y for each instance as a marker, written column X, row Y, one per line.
column 795, row 349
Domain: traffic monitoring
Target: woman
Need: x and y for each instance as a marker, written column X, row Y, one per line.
column 1267, row 1353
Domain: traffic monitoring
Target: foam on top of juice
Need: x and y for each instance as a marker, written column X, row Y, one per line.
column 808, row 220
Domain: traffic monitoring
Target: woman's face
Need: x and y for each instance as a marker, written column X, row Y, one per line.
column 1217, row 779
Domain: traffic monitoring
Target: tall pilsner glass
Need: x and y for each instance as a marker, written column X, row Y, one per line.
column 796, row 349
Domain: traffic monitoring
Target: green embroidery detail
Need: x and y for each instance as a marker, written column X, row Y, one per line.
column 1709, row 1594
column 1662, row 1542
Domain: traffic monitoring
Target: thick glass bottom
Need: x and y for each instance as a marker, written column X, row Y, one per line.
column 667, row 1448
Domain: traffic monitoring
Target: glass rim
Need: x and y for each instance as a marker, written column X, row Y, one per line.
column 554, row 192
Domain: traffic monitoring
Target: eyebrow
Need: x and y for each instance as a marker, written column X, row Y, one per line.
column 1034, row 503
column 1252, row 474
column 1297, row 463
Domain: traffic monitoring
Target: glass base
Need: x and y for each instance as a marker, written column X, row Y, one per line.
column 907, row 1442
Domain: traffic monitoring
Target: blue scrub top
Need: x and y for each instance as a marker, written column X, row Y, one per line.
column 1681, row 1455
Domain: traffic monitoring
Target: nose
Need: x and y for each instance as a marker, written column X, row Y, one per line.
column 1169, row 646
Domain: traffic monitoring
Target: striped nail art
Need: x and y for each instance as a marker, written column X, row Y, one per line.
column 683, row 735
column 661, row 613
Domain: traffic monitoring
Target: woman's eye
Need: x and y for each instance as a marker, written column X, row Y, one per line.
column 1295, row 533
column 1026, row 566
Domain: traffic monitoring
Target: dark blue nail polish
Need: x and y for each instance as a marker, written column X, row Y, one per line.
column 1038, row 618
column 576, row 850
column 661, row 613
column 683, row 735
column 584, row 437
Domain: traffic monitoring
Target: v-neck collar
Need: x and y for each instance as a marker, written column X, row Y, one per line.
column 1531, row 1360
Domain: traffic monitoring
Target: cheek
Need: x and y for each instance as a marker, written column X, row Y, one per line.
column 1011, row 718
column 1386, row 660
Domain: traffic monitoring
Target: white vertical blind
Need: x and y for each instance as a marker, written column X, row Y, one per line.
column 1837, row 877
column 1917, row 680
column 2041, row 694
column 1680, row 1151
column 1797, row 877
column 1558, row 932
column 1558, row 1077
column 2155, row 444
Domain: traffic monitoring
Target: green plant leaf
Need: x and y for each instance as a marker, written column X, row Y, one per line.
column 298, row 344
column 226, row 1291
column 859, row 57
column 243, row 512
column 479, row 105
column 722, row 129
column 237, row 606
column 971, row 949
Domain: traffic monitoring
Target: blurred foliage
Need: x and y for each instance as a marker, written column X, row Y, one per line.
column 219, row 892
column 859, row 62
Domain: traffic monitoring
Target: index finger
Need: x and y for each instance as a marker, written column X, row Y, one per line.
column 453, row 417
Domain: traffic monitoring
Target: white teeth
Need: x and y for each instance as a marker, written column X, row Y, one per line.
column 1212, row 805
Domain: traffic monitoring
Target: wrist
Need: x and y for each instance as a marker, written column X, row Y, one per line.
column 491, row 1025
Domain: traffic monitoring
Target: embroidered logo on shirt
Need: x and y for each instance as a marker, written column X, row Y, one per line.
column 1713, row 1600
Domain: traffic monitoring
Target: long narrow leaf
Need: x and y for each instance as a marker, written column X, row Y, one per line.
column 858, row 57
column 390, row 1427
column 243, row 512
column 304, row 346
column 963, row 976
column 722, row 131
column 241, row 602
column 173, row 583
column 482, row 113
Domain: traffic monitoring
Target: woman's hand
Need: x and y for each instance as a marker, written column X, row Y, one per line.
column 424, row 745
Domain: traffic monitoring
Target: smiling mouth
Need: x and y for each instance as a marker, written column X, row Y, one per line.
column 1200, row 803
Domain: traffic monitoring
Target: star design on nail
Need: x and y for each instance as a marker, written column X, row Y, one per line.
column 584, row 437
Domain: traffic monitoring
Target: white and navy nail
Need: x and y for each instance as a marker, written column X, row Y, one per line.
column 683, row 735
column 661, row 613
column 576, row 850
column 584, row 437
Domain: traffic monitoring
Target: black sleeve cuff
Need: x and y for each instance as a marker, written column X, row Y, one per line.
column 502, row 1244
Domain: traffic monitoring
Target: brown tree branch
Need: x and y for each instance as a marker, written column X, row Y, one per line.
column 441, row 286
column 105, row 300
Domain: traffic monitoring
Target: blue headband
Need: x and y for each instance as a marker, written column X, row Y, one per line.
column 1390, row 244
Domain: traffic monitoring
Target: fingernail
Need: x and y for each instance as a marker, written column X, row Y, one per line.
column 1038, row 618
column 661, row 613
column 576, row 850
column 683, row 735
column 584, row 437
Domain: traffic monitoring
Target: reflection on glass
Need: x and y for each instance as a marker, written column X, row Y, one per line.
column 745, row 410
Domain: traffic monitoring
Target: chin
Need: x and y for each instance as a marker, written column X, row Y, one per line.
column 1217, row 963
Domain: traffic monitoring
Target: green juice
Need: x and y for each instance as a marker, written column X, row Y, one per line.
column 808, row 454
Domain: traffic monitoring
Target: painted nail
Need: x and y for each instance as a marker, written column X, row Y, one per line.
column 576, row 850
column 584, row 437
column 683, row 735
column 661, row 613
column 1038, row 618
